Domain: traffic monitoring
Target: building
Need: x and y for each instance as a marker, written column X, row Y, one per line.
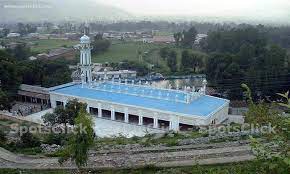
column 32, row 58
column 66, row 53
column 13, row 35
column 33, row 94
column 199, row 37
column 100, row 72
column 163, row 39
column 121, row 74
column 13, row 45
column 134, row 103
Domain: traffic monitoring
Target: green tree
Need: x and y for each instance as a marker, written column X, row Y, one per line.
column 191, row 61
column 28, row 140
column 50, row 119
column 164, row 52
column 3, row 138
column 178, row 38
column 196, row 62
column 273, row 156
column 172, row 61
column 246, row 54
column 100, row 45
column 65, row 115
column 141, row 67
column 185, row 59
column 81, row 141
column 4, row 100
column 9, row 79
column 72, row 108
column 189, row 37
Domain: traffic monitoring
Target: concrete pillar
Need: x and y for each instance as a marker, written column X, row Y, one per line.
column 88, row 109
column 174, row 123
column 155, row 121
column 170, row 125
column 126, row 115
column 64, row 103
column 112, row 113
column 140, row 119
column 100, row 110
column 53, row 103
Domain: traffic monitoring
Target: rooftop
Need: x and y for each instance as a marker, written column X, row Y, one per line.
column 145, row 97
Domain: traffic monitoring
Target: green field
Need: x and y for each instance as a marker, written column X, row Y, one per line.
column 125, row 51
column 48, row 44
column 121, row 51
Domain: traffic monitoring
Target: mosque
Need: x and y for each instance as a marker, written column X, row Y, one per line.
column 136, row 103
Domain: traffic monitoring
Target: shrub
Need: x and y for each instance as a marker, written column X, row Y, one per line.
column 58, row 139
column 3, row 138
column 28, row 140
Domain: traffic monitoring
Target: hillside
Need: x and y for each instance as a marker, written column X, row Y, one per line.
column 55, row 10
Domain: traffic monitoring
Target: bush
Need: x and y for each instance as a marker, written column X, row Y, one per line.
column 3, row 138
column 58, row 139
column 27, row 140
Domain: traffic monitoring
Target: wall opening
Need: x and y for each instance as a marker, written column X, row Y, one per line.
column 120, row 116
column 106, row 114
column 148, row 121
column 133, row 119
column 163, row 124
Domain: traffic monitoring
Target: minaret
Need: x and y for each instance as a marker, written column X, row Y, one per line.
column 85, row 58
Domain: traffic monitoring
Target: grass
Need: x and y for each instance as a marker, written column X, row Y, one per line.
column 10, row 125
column 48, row 44
column 121, row 51
column 5, row 124
column 148, row 140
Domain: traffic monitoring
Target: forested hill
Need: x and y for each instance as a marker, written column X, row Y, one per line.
column 248, row 55
column 58, row 10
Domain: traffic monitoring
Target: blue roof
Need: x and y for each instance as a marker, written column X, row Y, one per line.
column 202, row 106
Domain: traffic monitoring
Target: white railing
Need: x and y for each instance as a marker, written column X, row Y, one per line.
column 145, row 91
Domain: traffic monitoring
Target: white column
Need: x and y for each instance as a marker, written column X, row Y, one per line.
column 100, row 110
column 88, row 109
column 112, row 113
column 64, row 103
column 140, row 119
column 52, row 102
column 155, row 121
column 126, row 115
column 174, row 123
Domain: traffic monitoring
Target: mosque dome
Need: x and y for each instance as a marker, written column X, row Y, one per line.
column 85, row 39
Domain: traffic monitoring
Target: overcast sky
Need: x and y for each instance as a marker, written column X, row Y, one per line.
column 234, row 8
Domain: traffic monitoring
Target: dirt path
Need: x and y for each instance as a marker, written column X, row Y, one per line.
column 162, row 157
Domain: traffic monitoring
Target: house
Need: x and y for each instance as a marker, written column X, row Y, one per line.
column 163, row 39
column 32, row 58
column 66, row 53
column 13, row 35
